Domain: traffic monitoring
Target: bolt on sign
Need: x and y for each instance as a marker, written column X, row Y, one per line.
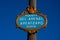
column 31, row 20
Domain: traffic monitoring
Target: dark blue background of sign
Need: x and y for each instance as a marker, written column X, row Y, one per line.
column 9, row 9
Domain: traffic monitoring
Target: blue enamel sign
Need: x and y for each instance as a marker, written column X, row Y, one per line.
column 31, row 21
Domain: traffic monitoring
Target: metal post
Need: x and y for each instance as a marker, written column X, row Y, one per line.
column 31, row 36
column 32, row 3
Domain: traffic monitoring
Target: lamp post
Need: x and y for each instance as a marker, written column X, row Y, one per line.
column 31, row 20
column 32, row 3
column 32, row 36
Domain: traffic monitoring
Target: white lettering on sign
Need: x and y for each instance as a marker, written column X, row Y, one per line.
column 22, row 23
column 31, row 18
column 31, row 21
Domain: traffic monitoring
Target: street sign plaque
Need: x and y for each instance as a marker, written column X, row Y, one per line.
column 31, row 22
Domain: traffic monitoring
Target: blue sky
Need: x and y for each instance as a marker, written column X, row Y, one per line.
column 9, row 9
